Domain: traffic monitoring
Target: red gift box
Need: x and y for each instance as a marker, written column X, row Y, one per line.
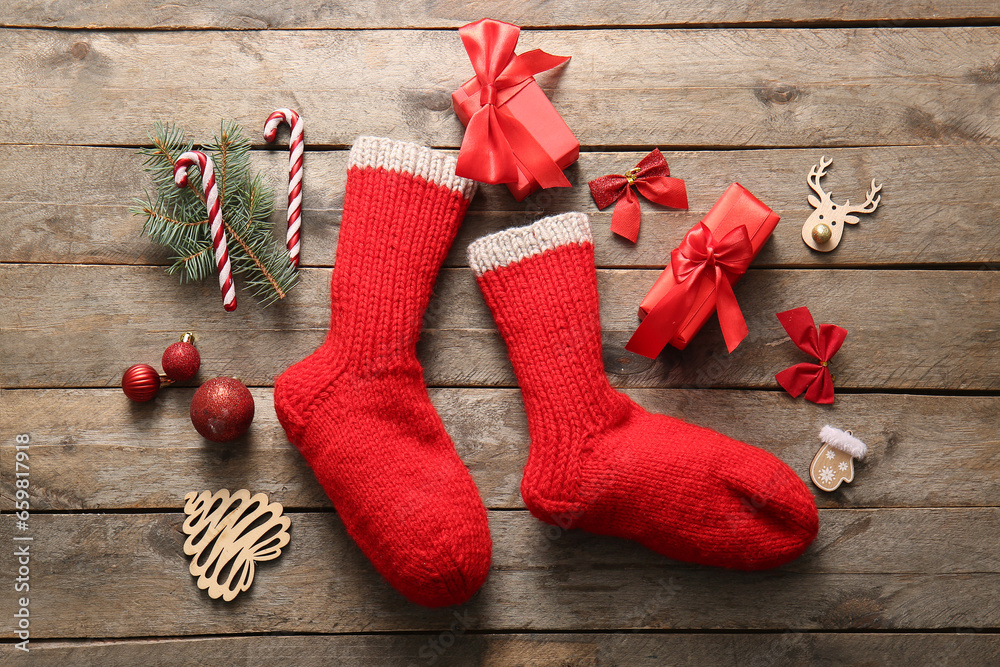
column 530, row 106
column 682, row 306
column 514, row 135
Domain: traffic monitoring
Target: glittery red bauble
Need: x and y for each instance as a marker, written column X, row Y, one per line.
column 181, row 361
column 222, row 409
column 141, row 382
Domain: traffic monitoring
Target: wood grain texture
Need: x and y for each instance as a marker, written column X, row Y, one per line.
column 535, row 650
column 292, row 14
column 94, row 450
column 103, row 575
column 912, row 330
column 935, row 208
column 729, row 88
column 910, row 546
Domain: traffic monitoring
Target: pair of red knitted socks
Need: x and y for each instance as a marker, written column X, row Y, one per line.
column 358, row 410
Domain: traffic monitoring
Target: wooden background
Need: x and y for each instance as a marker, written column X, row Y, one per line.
column 906, row 569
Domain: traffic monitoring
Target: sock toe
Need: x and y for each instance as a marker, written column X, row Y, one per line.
column 779, row 508
column 448, row 575
column 439, row 556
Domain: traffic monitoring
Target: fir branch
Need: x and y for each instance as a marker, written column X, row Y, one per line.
column 176, row 217
column 148, row 212
column 253, row 258
column 233, row 150
column 194, row 255
column 169, row 147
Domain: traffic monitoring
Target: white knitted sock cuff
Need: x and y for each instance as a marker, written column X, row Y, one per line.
column 512, row 245
column 433, row 166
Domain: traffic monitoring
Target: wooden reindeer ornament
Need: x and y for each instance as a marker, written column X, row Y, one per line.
column 825, row 226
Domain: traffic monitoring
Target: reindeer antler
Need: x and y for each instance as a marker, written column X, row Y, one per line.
column 871, row 203
column 817, row 172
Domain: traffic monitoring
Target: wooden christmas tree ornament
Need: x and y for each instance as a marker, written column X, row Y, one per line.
column 824, row 228
column 834, row 462
column 228, row 533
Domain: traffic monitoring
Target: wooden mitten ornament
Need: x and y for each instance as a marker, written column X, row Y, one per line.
column 233, row 530
column 825, row 226
column 834, row 462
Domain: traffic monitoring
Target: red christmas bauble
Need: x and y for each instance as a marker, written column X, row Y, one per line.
column 140, row 382
column 222, row 409
column 181, row 361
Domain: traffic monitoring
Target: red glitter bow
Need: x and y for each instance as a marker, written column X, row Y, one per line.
column 494, row 137
column 651, row 177
column 813, row 379
column 699, row 257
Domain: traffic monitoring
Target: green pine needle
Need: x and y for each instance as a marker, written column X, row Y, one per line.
column 178, row 219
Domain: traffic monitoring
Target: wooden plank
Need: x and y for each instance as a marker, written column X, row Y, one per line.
column 934, row 209
column 93, row 450
column 869, row 569
column 926, row 330
column 291, row 14
column 739, row 88
column 458, row 647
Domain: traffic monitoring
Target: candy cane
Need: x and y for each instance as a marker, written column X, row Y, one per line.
column 214, row 215
column 295, row 146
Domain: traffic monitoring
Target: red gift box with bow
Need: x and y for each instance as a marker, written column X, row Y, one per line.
column 713, row 256
column 513, row 133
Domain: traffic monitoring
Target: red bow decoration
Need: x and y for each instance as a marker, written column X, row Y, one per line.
column 651, row 177
column 495, row 141
column 699, row 257
column 813, row 379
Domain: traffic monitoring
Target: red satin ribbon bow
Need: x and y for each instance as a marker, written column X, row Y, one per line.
column 651, row 177
column 495, row 140
column 813, row 379
column 698, row 258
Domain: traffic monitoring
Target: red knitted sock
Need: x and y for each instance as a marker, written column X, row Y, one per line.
column 600, row 462
column 357, row 408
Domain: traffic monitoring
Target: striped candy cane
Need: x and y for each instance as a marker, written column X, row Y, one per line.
column 214, row 215
column 295, row 147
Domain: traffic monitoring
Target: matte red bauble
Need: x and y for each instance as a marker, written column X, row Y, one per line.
column 222, row 409
column 181, row 360
column 140, row 382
